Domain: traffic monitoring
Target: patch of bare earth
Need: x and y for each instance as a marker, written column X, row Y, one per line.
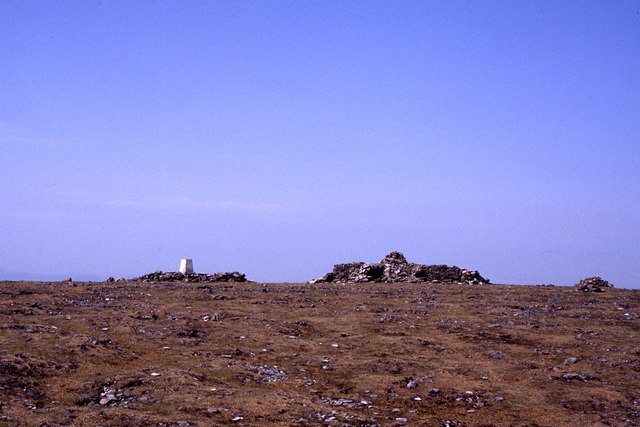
column 184, row 354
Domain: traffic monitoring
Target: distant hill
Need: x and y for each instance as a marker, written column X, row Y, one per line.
column 47, row 277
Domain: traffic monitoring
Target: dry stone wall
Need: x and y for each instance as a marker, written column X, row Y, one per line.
column 395, row 268
column 176, row 276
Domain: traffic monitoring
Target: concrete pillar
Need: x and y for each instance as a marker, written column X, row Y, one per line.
column 186, row 266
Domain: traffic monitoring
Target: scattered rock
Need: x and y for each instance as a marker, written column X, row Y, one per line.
column 583, row 376
column 191, row 333
column 395, row 268
column 593, row 284
column 348, row 403
column 111, row 396
column 569, row 360
column 413, row 382
column 268, row 374
column 498, row 355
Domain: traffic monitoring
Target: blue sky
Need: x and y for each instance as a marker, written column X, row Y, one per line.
column 278, row 138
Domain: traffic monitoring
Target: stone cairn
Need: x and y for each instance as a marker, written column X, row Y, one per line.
column 176, row 276
column 395, row 268
column 593, row 284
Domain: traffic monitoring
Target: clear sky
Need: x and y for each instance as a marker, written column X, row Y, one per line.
column 278, row 138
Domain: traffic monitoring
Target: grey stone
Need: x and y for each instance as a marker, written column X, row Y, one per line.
column 160, row 276
column 413, row 383
column 395, row 268
column 583, row 376
column 593, row 284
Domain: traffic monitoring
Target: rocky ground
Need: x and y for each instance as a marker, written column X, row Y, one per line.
column 194, row 354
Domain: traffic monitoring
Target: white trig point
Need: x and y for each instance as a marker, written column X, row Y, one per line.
column 186, row 266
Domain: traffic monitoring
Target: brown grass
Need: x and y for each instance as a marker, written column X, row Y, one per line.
column 343, row 354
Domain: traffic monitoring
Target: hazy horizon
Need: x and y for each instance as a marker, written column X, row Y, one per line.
column 280, row 138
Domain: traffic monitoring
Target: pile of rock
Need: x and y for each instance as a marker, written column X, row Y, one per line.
column 176, row 276
column 593, row 284
column 395, row 268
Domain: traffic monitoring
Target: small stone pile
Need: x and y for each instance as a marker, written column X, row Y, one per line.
column 176, row 276
column 593, row 284
column 395, row 268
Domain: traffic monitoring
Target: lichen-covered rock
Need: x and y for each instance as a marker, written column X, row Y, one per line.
column 593, row 284
column 395, row 268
